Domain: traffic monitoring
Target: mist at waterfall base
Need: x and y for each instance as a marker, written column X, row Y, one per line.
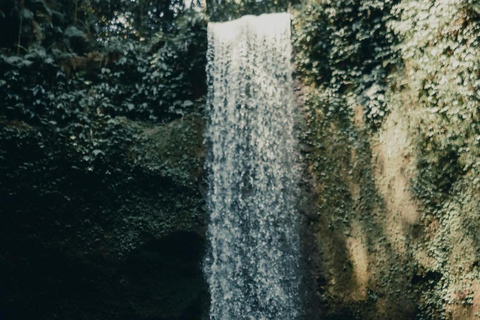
column 252, row 264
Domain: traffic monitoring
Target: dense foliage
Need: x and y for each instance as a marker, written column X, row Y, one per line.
column 74, row 74
column 101, row 157
column 345, row 48
column 440, row 44
column 78, row 74
column 101, row 139
column 415, row 64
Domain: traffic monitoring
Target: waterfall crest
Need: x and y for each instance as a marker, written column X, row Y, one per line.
column 252, row 263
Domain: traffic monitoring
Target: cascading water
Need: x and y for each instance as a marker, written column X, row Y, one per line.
column 252, row 264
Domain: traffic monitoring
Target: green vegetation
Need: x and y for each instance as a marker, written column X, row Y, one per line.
column 391, row 142
column 101, row 155
column 101, row 158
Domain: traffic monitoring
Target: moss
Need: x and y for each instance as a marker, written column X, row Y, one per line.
column 81, row 243
column 393, row 187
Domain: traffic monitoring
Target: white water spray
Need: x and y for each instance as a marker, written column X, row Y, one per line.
column 252, row 263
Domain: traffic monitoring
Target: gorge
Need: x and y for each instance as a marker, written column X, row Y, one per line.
column 153, row 165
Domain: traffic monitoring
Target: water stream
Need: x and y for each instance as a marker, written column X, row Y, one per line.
column 252, row 264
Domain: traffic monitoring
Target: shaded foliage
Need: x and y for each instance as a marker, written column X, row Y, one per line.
column 220, row 10
column 70, row 84
column 417, row 61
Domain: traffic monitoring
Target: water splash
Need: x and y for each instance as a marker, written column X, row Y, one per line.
column 252, row 264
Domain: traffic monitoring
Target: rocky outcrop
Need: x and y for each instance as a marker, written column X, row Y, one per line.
column 392, row 164
column 111, row 245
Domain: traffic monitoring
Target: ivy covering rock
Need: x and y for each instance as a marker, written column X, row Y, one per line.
column 102, row 186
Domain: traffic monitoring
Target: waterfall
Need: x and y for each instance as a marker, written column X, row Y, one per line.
column 252, row 264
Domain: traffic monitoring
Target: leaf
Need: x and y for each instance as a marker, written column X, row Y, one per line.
column 187, row 103
column 476, row 7
column 27, row 14
column 26, row 63
column 13, row 60
column 74, row 32
column 18, row 61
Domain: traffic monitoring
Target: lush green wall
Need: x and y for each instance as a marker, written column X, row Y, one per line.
column 101, row 160
column 102, row 209
column 390, row 97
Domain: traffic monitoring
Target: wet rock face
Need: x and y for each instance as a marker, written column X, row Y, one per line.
column 160, row 280
column 128, row 245
column 391, row 157
column 164, row 280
